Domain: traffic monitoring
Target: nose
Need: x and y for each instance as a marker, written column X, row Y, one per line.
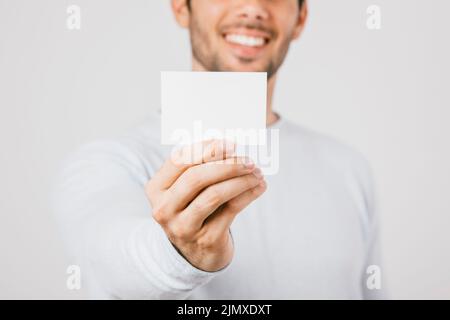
column 252, row 10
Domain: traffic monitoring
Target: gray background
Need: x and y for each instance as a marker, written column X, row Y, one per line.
column 384, row 91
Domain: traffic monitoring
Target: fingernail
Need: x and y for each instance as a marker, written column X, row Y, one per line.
column 248, row 163
column 257, row 172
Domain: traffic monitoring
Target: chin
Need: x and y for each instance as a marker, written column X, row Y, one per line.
column 243, row 66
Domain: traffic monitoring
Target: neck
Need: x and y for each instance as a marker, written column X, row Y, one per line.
column 271, row 117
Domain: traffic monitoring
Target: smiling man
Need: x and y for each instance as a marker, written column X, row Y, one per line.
column 143, row 225
column 240, row 35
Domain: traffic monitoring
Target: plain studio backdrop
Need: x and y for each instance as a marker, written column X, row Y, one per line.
column 383, row 91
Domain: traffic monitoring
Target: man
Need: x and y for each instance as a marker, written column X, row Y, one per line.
column 143, row 225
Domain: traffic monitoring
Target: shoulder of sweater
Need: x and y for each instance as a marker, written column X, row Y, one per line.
column 328, row 149
column 129, row 150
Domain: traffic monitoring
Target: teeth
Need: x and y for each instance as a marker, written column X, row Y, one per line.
column 245, row 40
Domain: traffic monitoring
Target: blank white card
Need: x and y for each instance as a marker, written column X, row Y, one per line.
column 196, row 106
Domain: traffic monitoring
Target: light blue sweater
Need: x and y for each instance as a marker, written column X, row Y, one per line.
column 313, row 234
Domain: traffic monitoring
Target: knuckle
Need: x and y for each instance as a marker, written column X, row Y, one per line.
column 235, row 168
column 197, row 206
column 237, row 163
column 251, row 181
column 233, row 207
column 212, row 197
column 160, row 211
column 159, row 215
column 191, row 179
column 179, row 231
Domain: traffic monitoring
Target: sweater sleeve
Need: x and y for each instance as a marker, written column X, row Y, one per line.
column 106, row 222
column 373, row 275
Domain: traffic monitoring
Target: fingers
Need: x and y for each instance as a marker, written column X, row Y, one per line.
column 182, row 159
column 216, row 195
column 221, row 222
column 199, row 177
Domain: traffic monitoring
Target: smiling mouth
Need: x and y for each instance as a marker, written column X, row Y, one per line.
column 247, row 45
column 246, row 40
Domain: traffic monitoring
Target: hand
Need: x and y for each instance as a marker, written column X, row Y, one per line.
column 195, row 197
